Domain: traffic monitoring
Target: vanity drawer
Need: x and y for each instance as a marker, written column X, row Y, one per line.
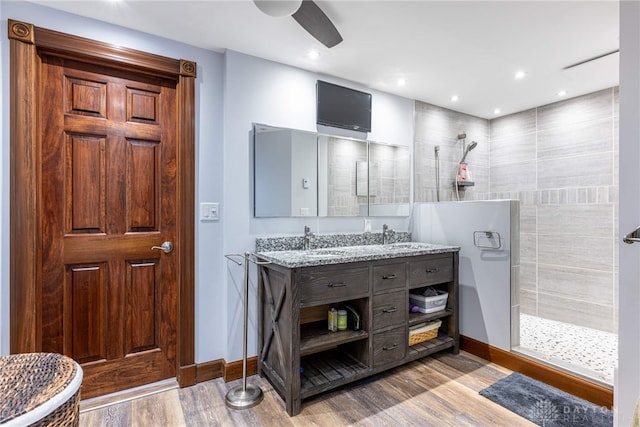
column 389, row 309
column 430, row 271
column 389, row 346
column 333, row 285
column 389, row 276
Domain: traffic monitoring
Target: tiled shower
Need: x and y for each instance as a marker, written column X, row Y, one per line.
column 561, row 161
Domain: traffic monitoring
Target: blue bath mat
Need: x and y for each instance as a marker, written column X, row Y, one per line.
column 545, row 405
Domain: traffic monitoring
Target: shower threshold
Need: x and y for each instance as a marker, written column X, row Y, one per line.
column 586, row 352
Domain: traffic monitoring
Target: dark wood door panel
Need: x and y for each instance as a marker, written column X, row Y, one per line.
column 111, row 150
column 86, row 97
column 143, row 185
column 85, row 184
column 142, row 295
column 99, row 247
column 109, row 376
column 91, row 126
column 85, row 291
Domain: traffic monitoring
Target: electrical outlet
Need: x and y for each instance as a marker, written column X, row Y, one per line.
column 209, row 211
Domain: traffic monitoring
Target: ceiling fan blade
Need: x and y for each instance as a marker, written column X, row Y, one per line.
column 313, row 19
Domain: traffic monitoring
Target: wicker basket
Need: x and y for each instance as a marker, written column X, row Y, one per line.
column 424, row 332
column 39, row 389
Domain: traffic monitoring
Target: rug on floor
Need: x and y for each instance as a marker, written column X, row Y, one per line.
column 545, row 405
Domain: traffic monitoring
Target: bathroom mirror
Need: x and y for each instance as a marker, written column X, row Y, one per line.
column 389, row 179
column 285, row 172
column 300, row 173
column 338, row 160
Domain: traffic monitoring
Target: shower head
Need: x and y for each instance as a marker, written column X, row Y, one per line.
column 469, row 148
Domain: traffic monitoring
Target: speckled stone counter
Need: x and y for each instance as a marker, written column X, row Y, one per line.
column 347, row 254
column 319, row 241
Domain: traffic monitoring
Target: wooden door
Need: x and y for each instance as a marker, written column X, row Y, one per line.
column 102, row 144
column 108, row 196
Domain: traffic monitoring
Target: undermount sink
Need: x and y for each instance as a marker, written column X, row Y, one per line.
column 410, row 245
column 324, row 253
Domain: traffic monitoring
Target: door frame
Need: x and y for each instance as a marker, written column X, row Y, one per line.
column 26, row 43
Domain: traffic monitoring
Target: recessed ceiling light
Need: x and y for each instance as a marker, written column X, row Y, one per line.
column 562, row 93
column 520, row 74
column 313, row 54
column 401, row 82
column 496, row 111
column 454, row 98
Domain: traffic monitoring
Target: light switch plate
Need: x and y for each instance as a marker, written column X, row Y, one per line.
column 210, row 211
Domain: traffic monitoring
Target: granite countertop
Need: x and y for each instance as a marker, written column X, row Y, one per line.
column 346, row 254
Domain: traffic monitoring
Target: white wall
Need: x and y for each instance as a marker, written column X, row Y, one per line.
column 210, row 299
column 265, row 92
column 627, row 380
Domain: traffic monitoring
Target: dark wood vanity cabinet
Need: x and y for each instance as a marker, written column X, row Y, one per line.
column 299, row 355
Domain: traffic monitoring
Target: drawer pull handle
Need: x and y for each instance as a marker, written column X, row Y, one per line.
column 336, row 284
column 391, row 347
column 390, row 309
column 432, row 270
column 390, row 276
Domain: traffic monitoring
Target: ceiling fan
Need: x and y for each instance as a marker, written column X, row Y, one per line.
column 306, row 13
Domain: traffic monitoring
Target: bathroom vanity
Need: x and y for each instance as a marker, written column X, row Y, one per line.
column 301, row 357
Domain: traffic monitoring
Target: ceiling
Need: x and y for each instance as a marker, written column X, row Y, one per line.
column 441, row 48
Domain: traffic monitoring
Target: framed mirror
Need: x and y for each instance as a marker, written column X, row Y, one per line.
column 300, row 173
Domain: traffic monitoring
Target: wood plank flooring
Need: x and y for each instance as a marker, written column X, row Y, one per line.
column 434, row 391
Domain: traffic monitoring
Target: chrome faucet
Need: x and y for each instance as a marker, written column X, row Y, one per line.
column 307, row 238
column 386, row 233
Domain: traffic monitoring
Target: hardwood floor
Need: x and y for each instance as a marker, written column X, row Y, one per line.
column 434, row 391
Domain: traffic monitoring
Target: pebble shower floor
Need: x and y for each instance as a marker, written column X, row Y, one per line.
column 585, row 351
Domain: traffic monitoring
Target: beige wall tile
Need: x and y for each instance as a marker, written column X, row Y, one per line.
column 514, row 124
column 510, row 149
column 528, row 221
column 575, row 139
column 513, row 177
column 576, row 220
column 528, row 276
column 528, row 302
column 579, row 252
column 586, row 108
column 575, row 312
column 577, row 171
column 578, row 284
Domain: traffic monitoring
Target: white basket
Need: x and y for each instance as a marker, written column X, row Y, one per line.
column 429, row 304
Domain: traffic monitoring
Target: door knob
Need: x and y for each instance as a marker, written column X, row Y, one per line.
column 166, row 247
column 632, row 237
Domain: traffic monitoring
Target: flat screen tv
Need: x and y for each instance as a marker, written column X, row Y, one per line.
column 342, row 107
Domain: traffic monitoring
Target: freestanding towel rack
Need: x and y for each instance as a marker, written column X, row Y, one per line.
column 245, row 395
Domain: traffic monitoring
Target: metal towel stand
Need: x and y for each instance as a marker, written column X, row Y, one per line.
column 245, row 396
